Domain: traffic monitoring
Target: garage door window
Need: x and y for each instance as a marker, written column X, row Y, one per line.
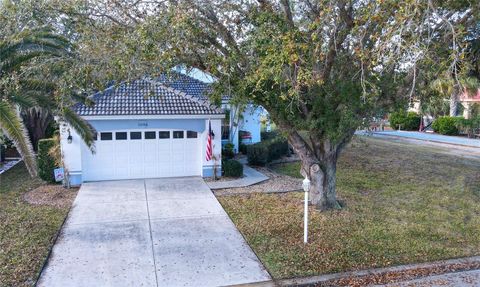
column 164, row 135
column 135, row 135
column 191, row 135
column 106, row 136
column 121, row 136
column 178, row 134
column 150, row 135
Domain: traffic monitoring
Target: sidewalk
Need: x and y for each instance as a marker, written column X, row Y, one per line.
column 455, row 140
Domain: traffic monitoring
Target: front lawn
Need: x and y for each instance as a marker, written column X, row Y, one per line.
column 26, row 231
column 404, row 204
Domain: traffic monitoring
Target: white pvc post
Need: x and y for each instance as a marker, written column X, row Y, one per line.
column 305, row 221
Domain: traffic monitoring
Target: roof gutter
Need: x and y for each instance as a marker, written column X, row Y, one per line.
column 154, row 117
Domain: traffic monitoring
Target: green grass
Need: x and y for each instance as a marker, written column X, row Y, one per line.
column 404, row 204
column 26, row 231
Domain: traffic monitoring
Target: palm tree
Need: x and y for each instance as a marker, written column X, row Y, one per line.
column 17, row 52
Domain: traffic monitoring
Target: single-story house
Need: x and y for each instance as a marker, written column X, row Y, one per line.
column 146, row 128
column 470, row 102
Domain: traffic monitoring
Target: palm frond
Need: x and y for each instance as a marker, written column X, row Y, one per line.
column 82, row 127
column 30, row 44
column 41, row 99
column 17, row 61
column 11, row 124
column 23, row 100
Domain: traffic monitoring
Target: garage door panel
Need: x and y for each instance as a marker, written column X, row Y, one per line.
column 154, row 153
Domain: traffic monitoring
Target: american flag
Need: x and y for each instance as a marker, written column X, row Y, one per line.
column 209, row 142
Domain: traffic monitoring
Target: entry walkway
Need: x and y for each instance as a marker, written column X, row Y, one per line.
column 250, row 177
column 153, row 232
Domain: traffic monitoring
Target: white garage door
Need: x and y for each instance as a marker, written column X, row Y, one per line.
column 143, row 154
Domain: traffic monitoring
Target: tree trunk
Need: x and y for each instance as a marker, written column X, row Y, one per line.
column 323, row 185
column 454, row 99
column 36, row 121
column 320, row 167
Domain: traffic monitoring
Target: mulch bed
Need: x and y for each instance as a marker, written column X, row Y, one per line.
column 51, row 195
column 276, row 183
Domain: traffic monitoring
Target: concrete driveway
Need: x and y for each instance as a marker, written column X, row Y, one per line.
column 152, row 232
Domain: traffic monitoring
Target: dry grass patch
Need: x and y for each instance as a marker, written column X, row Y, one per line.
column 26, row 231
column 405, row 204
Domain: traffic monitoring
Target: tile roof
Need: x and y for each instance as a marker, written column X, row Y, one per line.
column 186, row 84
column 149, row 97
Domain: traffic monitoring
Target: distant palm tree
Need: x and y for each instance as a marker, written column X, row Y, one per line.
column 16, row 52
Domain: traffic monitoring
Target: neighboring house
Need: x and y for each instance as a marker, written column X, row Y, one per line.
column 470, row 103
column 244, row 119
column 145, row 128
column 241, row 125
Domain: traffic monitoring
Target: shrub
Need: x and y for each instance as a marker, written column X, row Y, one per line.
column 408, row 121
column 46, row 163
column 232, row 168
column 243, row 148
column 265, row 136
column 277, row 148
column 468, row 126
column 2, row 152
column 263, row 152
column 227, row 151
column 257, row 154
column 446, row 125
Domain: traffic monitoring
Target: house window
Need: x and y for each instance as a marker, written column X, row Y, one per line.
column 178, row 134
column 226, row 126
column 135, row 135
column 106, row 136
column 164, row 135
column 191, row 135
column 121, row 136
column 150, row 135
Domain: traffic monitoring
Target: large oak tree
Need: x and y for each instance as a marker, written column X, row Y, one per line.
column 321, row 68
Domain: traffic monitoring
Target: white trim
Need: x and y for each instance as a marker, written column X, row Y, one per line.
column 153, row 117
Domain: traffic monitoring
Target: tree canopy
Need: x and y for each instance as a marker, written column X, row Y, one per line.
column 320, row 68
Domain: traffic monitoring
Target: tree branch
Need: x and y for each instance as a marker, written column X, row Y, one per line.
column 288, row 13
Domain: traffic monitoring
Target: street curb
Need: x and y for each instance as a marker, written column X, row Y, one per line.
column 319, row 279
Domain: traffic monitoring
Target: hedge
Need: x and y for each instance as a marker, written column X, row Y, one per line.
column 408, row 121
column 46, row 163
column 265, row 136
column 277, row 148
column 266, row 151
column 243, row 148
column 257, row 154
column 232, row 168
column 446, row 125
column 227, row 151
